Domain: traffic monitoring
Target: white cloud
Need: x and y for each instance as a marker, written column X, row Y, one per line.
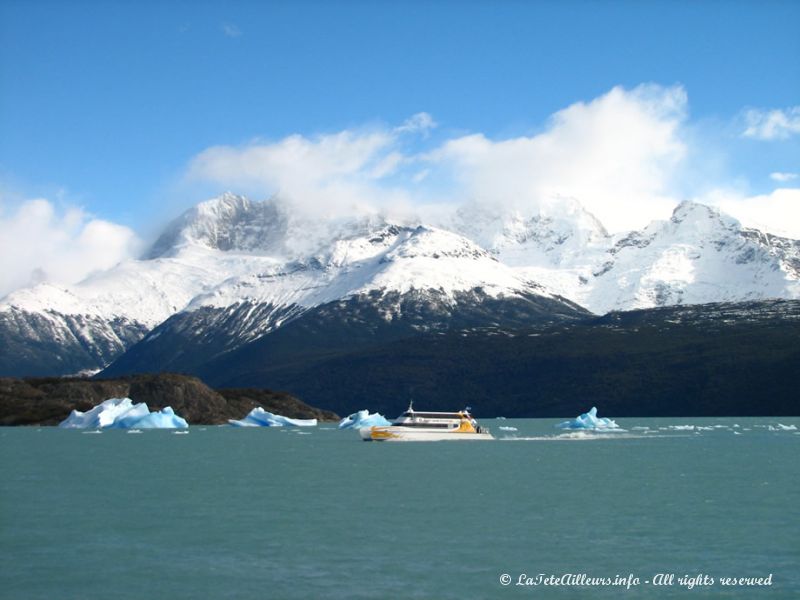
column 777, row 212
column 42, row 243
column 617, row 154
column 782, row 177
column 326, row 175
column 421, row 122
column 774, row 124
column 231, row 30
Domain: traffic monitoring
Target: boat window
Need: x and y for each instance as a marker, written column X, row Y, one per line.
column 438, row 415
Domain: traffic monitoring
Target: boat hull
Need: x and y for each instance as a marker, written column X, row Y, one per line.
column 407, row 434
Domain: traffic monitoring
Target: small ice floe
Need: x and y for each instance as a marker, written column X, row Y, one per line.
column 681, row 427
column 180, row 433
column 258, row 417
column 640, row 428
column 122, row 413
column 781, row 427
column 362, row 419
column 503, row 428
column 590, row 421
column 134, row 431
column 95, row 431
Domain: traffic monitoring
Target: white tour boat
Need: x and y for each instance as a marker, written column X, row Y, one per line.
column 413, row 426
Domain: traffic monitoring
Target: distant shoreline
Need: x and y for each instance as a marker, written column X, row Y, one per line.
column 48, row 401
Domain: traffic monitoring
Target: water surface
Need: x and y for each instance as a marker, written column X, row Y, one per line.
column 278, row 513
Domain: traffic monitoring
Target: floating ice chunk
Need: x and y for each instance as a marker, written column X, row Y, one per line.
column 508, row 428
column 589, row 420
column 363, row 418
column 258, row 417
column 781, row 427
column 162, row 419
column 130, row 418
column 102, row 415
column 122, row 413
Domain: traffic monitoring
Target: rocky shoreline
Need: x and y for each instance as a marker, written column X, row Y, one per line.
column 48, row 401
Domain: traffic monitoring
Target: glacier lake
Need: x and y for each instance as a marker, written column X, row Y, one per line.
column 700, row 508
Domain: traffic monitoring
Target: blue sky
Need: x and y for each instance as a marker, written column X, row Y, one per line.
column 106, row 106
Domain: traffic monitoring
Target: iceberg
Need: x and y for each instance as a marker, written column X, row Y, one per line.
column 101, row 416
column 122, row 413
column 589, row 420
column 162, row 419
column 258, row 417
column 363, row 418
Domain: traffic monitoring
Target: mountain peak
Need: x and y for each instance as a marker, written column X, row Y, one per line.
column 431, row 242
column 228, row 223
column 699, row 215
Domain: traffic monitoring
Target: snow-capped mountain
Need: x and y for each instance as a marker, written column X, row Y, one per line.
column 699, row 256
column 389, row 283
column 230, row 271
column 557, row 245
column 242, row 269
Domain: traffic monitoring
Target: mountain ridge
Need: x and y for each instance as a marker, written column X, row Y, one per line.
column 258, row 266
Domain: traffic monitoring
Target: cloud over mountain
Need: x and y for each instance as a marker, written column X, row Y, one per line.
column 41, row 242
column 617, row 154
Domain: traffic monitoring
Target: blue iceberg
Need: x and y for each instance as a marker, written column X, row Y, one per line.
column 258, row 417
column 589, row 420
column 122, row 413
column 162, row 419
column 363, row 418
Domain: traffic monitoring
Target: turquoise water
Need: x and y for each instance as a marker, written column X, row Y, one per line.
column 275, row 513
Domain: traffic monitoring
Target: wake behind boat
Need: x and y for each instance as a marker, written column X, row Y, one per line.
column 413, row 426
